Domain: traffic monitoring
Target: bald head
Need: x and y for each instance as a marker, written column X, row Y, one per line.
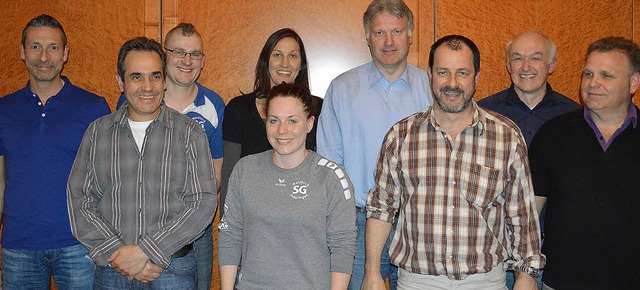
column 531, row 57
column 530, row 38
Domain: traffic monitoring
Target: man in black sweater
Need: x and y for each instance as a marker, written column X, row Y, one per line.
column 585, row 163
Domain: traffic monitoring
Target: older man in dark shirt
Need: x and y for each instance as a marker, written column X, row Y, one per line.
column 529, row 101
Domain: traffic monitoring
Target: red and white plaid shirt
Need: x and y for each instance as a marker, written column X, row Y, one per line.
column 463, row 206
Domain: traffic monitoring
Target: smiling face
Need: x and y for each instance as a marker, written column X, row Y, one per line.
column 608, row 82
column 453, row 78
column 287, row 129
column 285, row 61
column 143, row 85
column 389, row 41
column 44, row 53
column 529, row 63
column 183, row 71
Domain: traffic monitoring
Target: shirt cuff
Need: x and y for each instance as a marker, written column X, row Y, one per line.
column 103, row 251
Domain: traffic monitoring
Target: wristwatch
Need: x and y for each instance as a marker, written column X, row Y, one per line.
column 531, row 271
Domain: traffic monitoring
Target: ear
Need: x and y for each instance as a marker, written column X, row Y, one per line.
column 429, row 74
column 310, row 123
column 120, row 83
column 23, row 56
column 552, row 66
column 66, row 53
column 477, row 77
column 508, row 66
column 634, row 82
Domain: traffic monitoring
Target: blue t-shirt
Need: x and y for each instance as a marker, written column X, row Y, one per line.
column 208, row 110
column 39, row 144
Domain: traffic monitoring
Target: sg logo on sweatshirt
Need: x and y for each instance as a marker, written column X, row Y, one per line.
column 299, row 190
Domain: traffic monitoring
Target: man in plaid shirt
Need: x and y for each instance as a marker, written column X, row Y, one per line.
column 456, row 178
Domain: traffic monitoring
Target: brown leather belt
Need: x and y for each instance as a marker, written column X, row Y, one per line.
column 182, row 251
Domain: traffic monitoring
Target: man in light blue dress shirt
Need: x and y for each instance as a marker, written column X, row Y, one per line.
column 362, row 104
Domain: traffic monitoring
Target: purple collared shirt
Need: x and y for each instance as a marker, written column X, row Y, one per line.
column 632, row 118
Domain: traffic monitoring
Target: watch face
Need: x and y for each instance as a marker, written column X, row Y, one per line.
column 531, row 271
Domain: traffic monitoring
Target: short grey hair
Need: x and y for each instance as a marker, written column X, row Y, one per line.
column 396, row 8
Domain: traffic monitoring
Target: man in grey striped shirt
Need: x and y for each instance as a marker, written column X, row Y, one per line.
column 142, row 186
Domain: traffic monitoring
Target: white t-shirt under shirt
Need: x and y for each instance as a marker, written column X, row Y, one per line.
column 139, row 130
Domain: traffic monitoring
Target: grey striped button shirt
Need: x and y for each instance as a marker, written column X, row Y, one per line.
column 160, row 199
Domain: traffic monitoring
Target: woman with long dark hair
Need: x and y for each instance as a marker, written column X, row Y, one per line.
column 282, row 59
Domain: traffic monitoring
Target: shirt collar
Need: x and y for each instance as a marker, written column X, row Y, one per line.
column 121, row 116
column 64, row 92
column 199, row 101
column 632, row 116
column 477, row 120
column 512, row 96
column 375, row 76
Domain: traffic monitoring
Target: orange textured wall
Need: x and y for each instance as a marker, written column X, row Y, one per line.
column 234, row 32
column 571, row 24
column 95, row 30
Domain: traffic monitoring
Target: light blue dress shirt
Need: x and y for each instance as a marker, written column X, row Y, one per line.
column 359, row 108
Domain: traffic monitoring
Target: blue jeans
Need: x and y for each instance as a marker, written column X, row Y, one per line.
column 181, row 274
column 71, row 268
column 203, row 250
column 386, row 269
column 511, row 279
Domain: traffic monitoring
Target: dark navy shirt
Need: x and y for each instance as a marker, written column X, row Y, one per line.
column 39, row 144
column 508, row 104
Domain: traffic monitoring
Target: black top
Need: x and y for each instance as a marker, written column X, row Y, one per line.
column 243, row 125
column 592, row 237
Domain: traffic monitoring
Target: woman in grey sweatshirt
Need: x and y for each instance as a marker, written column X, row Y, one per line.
column 289, row 217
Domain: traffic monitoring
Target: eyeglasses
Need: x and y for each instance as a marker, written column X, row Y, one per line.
column 182, row 54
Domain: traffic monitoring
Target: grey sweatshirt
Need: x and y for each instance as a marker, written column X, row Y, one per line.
column 290, row 228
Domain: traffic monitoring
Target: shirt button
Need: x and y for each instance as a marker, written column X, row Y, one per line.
column 43, row 114
column 39, row 103
column 452, row 207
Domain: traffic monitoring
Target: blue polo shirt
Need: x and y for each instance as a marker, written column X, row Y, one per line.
column 39, row 144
